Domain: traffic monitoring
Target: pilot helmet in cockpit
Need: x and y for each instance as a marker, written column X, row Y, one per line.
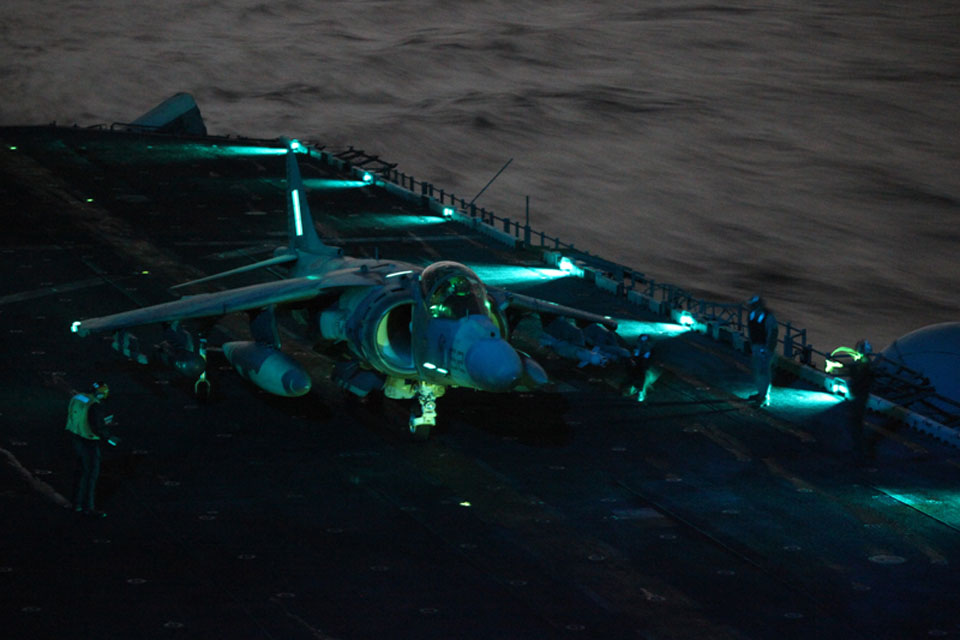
column 451, row 290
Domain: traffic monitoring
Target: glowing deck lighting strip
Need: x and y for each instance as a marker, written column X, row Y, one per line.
column 295, row 196
column 399, row 273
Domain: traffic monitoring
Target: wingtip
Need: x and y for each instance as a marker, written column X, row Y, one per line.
column 77, row 327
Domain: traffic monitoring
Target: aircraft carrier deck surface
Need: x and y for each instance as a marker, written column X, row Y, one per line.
column 568, row 513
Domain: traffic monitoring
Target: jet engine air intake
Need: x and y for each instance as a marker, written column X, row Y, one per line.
column 393, row 338
column 377, row 327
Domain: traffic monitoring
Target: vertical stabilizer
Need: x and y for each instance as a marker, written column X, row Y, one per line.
column 177, row 114
column 303, row 235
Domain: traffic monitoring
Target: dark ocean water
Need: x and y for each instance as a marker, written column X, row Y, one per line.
column 809, row 150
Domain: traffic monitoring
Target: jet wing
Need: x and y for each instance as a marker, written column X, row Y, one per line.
column 223, row 302
column 517, row 301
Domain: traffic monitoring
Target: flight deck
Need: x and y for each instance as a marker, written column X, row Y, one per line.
column 567, row 512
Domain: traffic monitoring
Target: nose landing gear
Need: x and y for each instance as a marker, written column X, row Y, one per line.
column 424, row 416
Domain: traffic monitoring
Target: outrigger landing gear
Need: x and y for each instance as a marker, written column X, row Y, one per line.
column 201, row 388
column 423, row 420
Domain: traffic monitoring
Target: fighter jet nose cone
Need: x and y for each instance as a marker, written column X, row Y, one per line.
column 493, row 365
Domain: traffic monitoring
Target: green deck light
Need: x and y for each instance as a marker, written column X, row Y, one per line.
column 295, row 146
column 633, row 329
column 13, row 148
column 465, row 503
column 367, row 177
column 75, row 327
column 89, row 199
column 505, row 275
column 448, row 212
column 429, row 365
column 398, row 273
column 802, row 399
column 686, row 319
column 145, row 272
column 940, row 503
column 236, row 150
column 327, row 183
column 162, row 153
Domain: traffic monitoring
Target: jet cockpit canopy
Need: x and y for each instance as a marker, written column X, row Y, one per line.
column 451, row 290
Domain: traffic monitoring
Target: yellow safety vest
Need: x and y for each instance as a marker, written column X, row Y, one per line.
column 77, row 411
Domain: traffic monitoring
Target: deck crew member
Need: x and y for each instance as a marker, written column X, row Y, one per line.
column 861, row 376
column 642, row 373
column 88, row 425
column 762, row 329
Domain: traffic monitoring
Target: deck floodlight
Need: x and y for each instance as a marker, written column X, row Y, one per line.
column 448, row 212
column 75, row 327
column 686, row 319
column 367, row 177
column 837, row 386
column 569, row 266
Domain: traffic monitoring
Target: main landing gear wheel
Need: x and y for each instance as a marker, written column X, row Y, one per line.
column 202, row 388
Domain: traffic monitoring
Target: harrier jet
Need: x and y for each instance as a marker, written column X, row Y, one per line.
column 409, row 330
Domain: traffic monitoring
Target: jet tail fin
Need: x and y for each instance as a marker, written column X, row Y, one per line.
column 303, row 235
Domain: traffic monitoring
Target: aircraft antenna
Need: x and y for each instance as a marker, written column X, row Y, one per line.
column 491, row 181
